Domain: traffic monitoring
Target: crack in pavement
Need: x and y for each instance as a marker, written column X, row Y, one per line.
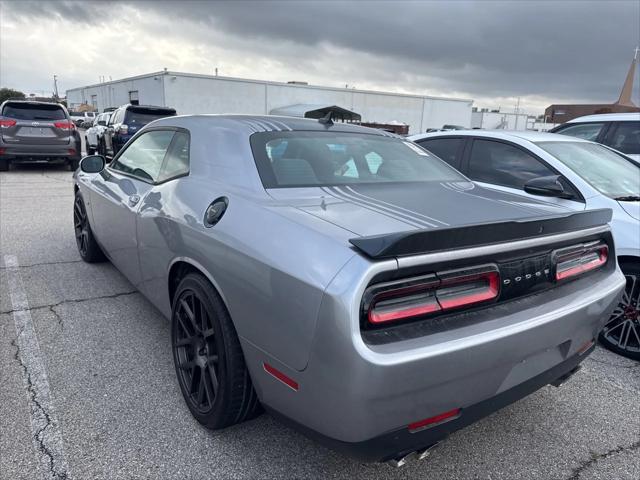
column 63, row 302
column 64, row 262
column 595, row 457
column 36, row 405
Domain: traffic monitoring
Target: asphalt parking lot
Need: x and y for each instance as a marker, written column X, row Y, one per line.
column 88, row 390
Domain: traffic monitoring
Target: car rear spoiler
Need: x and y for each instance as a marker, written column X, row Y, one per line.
column 427, row 241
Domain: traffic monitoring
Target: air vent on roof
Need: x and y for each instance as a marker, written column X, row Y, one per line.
column 295, row 82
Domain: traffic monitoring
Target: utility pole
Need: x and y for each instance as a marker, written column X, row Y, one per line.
column 55, row 88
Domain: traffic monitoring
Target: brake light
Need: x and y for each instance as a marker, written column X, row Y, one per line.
column 123, row 130
column 64, row 125
column 574, row 261
column 6, row 123
column 439, row 292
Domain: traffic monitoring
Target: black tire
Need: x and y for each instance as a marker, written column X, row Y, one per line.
column 208, row 358
column 88, row 248
column 73, row 164
column 4, row 165
column 622, row 333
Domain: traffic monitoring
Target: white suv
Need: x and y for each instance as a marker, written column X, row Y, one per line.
column 620, row 131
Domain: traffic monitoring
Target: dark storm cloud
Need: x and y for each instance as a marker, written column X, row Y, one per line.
column 564, row 51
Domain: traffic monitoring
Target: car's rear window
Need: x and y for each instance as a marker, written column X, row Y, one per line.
column 142, row 117
column 33, row 112
column 307, row 159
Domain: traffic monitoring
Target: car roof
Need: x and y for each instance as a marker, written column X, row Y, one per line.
column 510, row 135
column 265, row 123
column 32, row 102
column 608, row 117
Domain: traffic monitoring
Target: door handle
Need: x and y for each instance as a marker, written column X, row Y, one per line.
column 133, row 200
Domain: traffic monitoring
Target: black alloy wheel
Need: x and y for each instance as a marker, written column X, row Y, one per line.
column 88, row 248
column 196, row 351
column 208, row 357
column 622, row 333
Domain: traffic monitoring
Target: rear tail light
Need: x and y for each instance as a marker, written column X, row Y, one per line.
column 429, row 294
column 64, row 125
column 6, row 123
column 435, row 420
column 574, row 261
column 72, row 151
column 123, row 130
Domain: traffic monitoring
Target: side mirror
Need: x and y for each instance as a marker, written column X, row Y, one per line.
column 102, row 122
column 547, row 187
column 93, row 164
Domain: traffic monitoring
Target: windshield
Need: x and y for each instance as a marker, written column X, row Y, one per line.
column 306, row 159
column 33, row 112
column 609, row 173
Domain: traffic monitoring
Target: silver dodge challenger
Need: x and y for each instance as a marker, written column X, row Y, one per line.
column 346, row 280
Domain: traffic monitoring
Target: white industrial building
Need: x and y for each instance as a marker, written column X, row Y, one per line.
column 192, row 94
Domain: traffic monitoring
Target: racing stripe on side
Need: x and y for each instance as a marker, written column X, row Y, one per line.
column 334, row 191
column 398, row 208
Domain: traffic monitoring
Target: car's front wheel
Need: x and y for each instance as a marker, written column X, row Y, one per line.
column 4, row 165
column 622, row 333
column 208, row 358
column 88, row 248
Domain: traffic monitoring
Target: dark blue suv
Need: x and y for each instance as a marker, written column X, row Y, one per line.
column 125, row 122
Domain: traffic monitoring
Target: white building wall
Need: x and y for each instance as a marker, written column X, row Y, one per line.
column 113, row 94
column 193, row 94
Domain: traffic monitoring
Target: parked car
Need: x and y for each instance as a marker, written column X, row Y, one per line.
column 566, row 171
column 344, row 278
column 620, row 131
column 37, row 132
column 79, row 118
column 93, row 134
column 125, row 121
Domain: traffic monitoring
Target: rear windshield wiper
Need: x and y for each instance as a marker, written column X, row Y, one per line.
column 628, row 198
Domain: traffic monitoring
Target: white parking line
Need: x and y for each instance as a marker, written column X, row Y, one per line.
column 45, row 429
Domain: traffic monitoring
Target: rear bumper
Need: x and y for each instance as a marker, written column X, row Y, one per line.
column 360, row 398
column 401, row 441
column 39, row 153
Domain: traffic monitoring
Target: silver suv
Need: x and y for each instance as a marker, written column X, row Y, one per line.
column 37, row 132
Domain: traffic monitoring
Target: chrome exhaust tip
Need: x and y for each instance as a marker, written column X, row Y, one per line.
column 402, row 460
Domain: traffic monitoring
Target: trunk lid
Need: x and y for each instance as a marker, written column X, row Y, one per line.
column 378, row 209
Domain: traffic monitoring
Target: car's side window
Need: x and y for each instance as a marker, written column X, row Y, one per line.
column 112, row 119
column 448, row 149
column 626, row 138
column 144, row 157
column 176, row 162
column 504, row 164
column 588, row 131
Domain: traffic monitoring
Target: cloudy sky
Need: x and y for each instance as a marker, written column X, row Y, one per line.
column 490, row 51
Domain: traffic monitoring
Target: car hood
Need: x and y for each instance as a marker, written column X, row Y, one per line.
column 374, row 209
column 632, row 208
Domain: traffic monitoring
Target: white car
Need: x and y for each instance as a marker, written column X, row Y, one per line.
column 92, row 134
column 79, row 117
column 568, row 171
column 620, row 131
